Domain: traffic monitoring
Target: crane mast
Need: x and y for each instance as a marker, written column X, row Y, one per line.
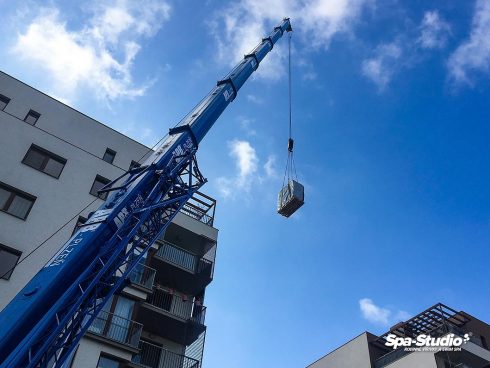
column 43, row 324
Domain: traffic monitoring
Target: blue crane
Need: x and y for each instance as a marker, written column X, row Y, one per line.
column 43, row 324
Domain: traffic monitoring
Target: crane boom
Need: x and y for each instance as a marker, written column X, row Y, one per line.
column 42, row 325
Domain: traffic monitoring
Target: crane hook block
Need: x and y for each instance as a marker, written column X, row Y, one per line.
column 291, row 198
column 290, row 145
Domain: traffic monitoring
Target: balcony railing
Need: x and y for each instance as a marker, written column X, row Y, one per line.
column 117, row 329
column 180, row 257
column 177, row 305
column 154, row 356
column 143, row 276
column 200, row 207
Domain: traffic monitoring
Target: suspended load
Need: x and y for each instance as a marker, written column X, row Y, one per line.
column 292, row 195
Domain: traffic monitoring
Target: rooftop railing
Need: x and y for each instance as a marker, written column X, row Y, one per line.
column 200, row 207
column 154, row 356
column 117, row 329
column 439, row 331
column 177, row 305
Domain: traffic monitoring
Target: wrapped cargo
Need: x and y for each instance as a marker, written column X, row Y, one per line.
column 291, row 197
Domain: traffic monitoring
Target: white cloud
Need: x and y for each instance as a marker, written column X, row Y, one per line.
column 99, row 55
column 473, row 55
column 434, row 31
column 240, row 27
column 246, row 125
column 246, row 163
column 270, row 166
column 255, row 99
column 379, row 315
column 380, row 68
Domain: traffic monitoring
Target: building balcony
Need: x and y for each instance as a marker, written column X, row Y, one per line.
column 181, row 269
column 172, row 316
column 154, row 356
column 116, row 329
column 142, row 277
column 192, row 228
column 201, row 208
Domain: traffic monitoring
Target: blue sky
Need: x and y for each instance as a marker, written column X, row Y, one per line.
column 391, row 122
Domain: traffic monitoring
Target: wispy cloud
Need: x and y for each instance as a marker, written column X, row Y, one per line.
column 473, row 55
column 246, row 165
column 246, row 125
column 380, row 68
column 434, row 31
column 249, row 170
column 379, row 315
column 270, row 167
column 243, row 24
column 97, row 55
column 406, row 50
column 255, row 99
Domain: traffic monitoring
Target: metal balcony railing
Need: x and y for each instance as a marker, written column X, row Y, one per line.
column 117, row 328
column 200, row 207
column 177, row 305
column 171, row 253
column 154, row 356
column 143, row 276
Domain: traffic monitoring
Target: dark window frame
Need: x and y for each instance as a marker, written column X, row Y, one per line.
column 5, row 100
column 13, row 251
column 48, row 155
column 109, row 357
column 134, row 164
column 103, row 180
column 80, row 222
column 34, row 114
column 13, row 193
column 111, row 153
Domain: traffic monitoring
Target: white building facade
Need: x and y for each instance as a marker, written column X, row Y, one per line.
column 53, row 161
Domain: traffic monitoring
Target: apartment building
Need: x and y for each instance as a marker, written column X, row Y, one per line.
column 370, row 351
column 53, row 161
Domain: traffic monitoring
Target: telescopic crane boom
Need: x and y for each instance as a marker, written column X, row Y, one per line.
column 43, row 324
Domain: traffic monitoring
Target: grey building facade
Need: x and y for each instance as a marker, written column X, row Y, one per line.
column 370, row 351
column 53, row 161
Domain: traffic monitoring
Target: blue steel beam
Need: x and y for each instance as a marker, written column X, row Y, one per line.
column 42, row 325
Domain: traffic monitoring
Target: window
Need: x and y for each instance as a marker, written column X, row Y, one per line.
column 44, row 161
column 106, row 362
column 99, row 182
column 81, row 220
column 109, row 156
column 15, row 202
column 134, row 164
column 4, row 101
column 32, row 117
column 8, row 260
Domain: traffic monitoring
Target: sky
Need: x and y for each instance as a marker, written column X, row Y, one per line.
column 391, row 127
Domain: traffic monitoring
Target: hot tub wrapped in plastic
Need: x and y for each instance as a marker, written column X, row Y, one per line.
column 290, row 198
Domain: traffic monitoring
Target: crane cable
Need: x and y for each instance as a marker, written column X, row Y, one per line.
column 290, row 171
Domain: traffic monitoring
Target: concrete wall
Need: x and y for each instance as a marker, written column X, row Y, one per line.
column 354, row 354
column 415, row 359
column 89, row 351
